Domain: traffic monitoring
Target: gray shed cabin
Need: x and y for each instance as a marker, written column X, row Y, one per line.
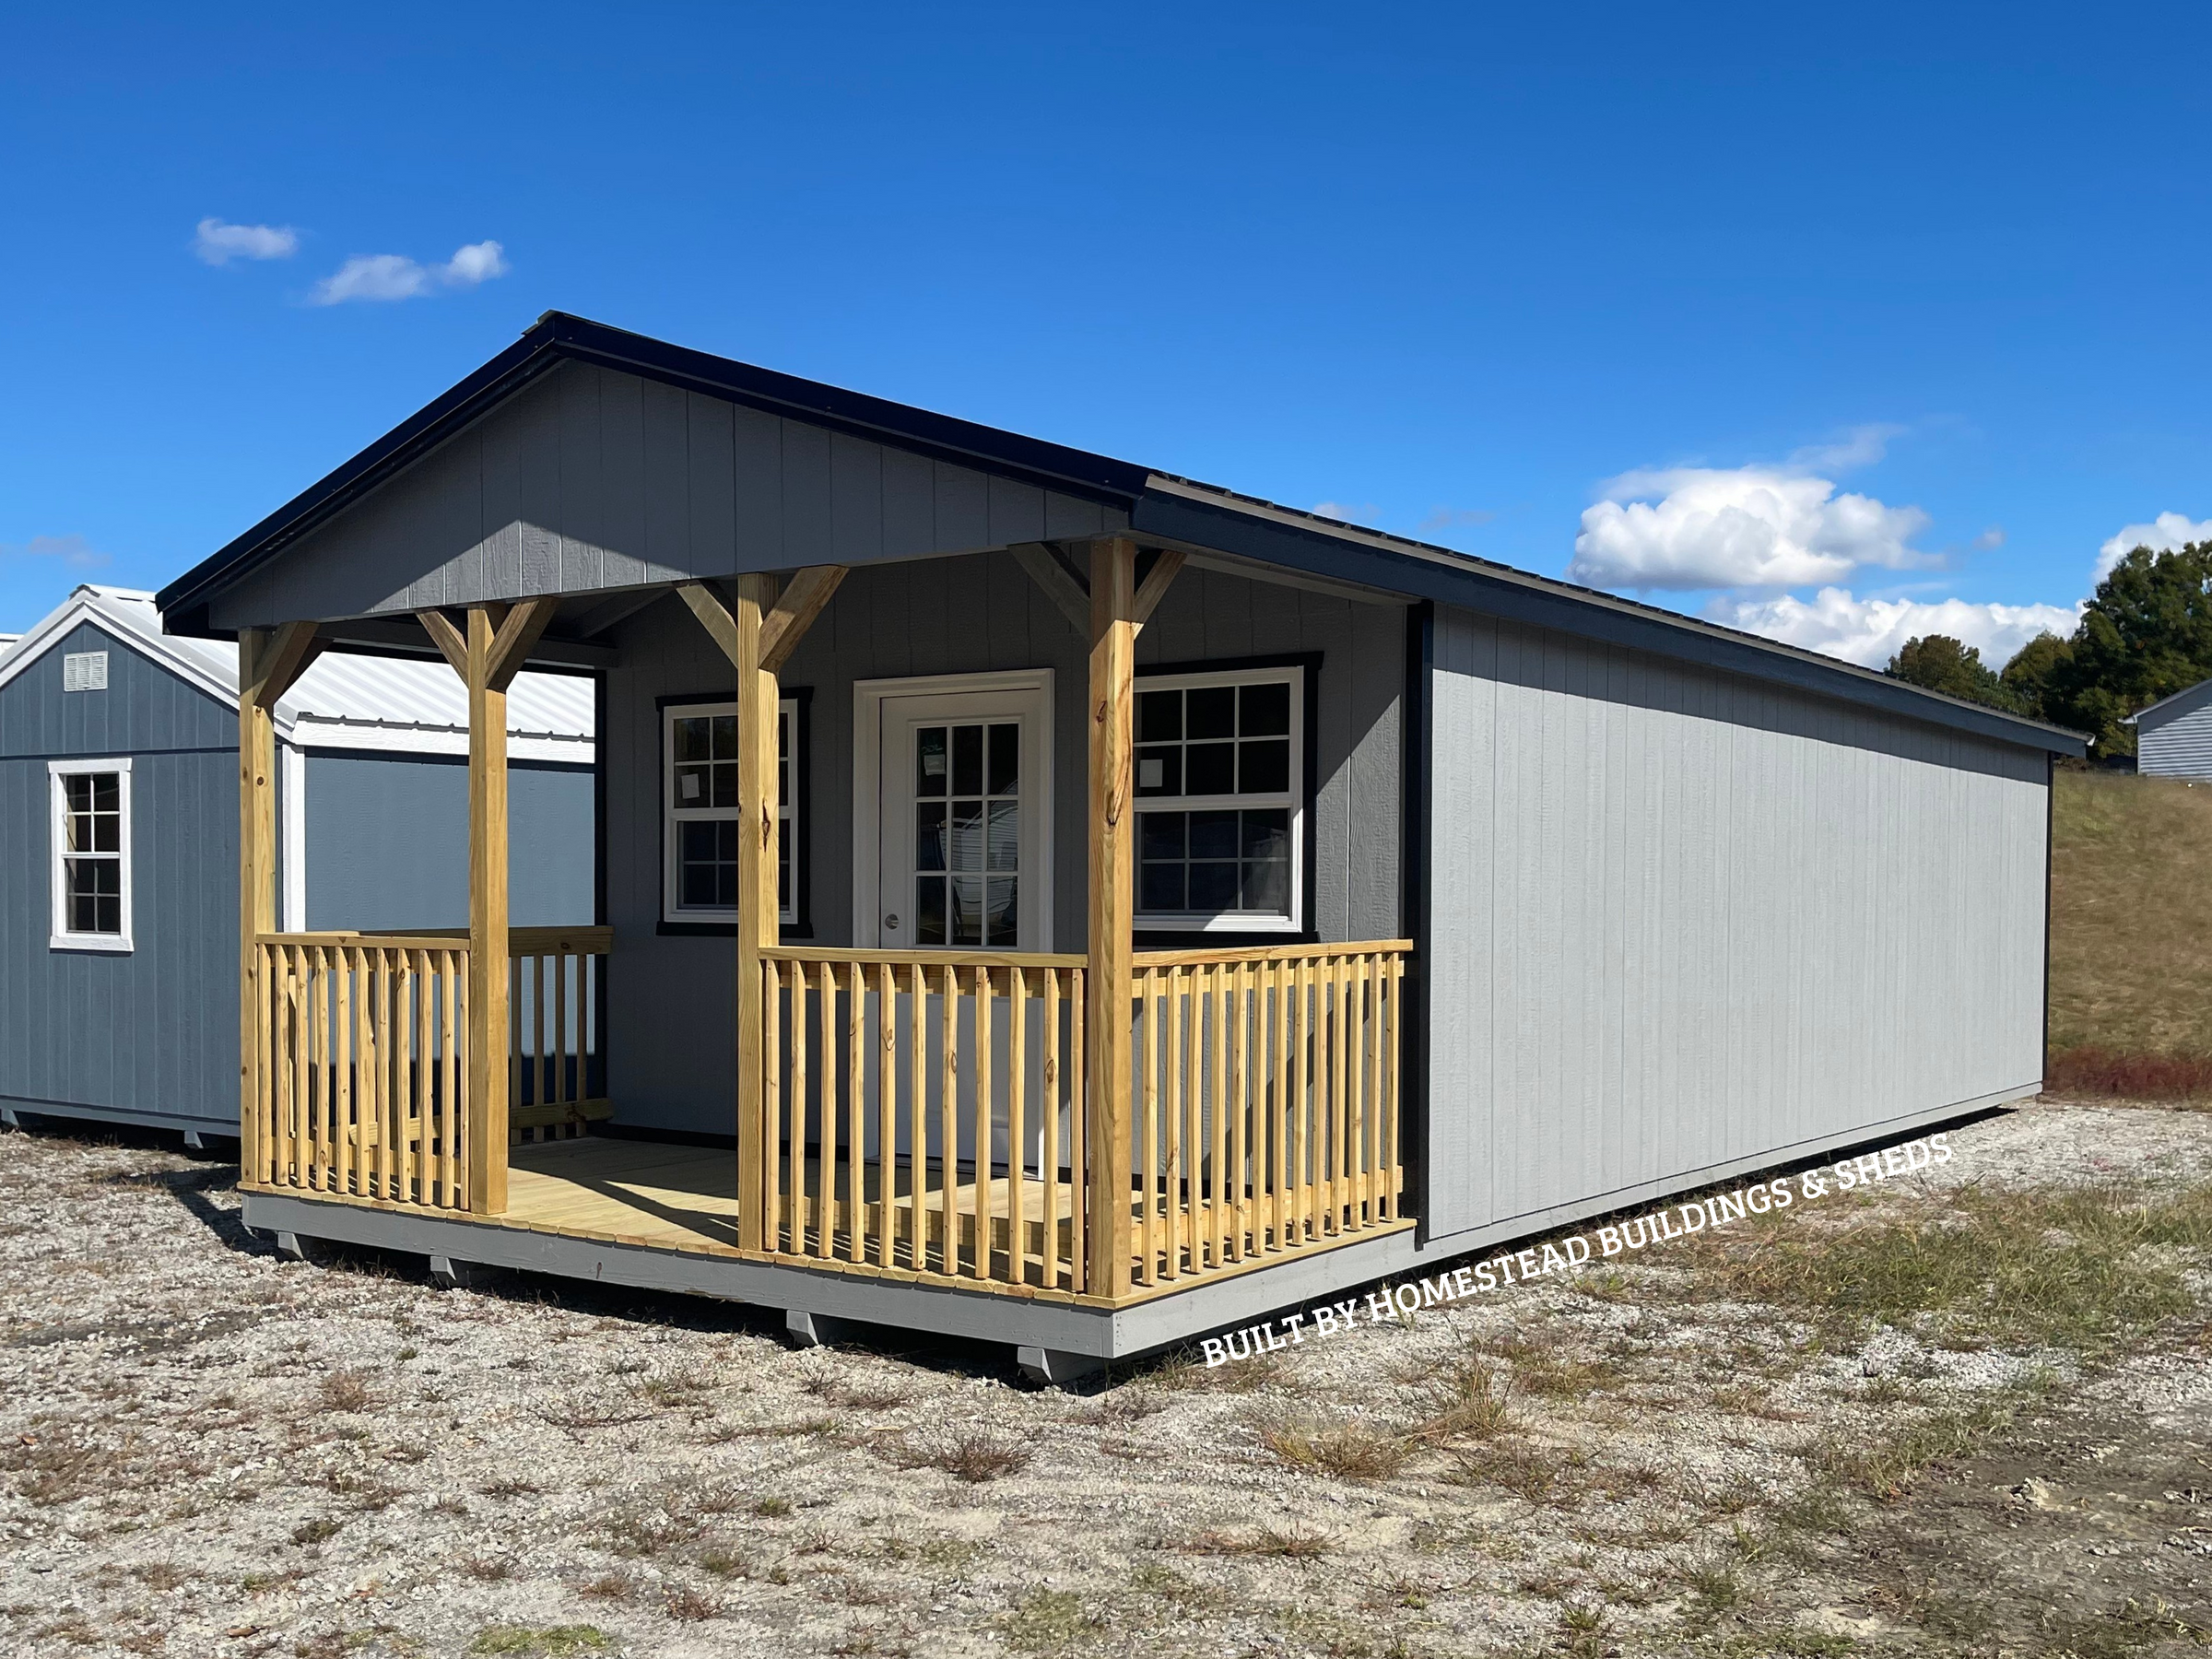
column 2173, row 735
column 118, row 898
column 1053, row 902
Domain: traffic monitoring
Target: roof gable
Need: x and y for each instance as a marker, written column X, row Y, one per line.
column 589, row 479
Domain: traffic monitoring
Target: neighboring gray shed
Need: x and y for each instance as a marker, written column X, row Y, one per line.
column 1098, row 908
column 133, row 1017
column 2174, row 737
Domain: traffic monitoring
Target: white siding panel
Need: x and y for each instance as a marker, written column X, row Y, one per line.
column 2176, row 742
column 1679, row 918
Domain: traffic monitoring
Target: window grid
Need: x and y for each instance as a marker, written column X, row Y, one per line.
column 1219, row 776
column 91, row 872
column 699, row 741
column 968, row 833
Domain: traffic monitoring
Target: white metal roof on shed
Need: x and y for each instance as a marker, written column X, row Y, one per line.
column 343, row 700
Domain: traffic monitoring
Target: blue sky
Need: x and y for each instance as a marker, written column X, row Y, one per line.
column 1801, row 322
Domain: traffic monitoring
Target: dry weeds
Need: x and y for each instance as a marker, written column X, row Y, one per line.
column 1663, row 1455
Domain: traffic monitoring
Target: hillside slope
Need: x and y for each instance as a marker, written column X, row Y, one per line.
column 2130, row 915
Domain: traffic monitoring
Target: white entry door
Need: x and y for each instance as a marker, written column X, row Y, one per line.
column 964, row 856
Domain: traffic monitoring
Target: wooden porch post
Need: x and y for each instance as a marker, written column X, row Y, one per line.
column 757, row 908
column 485, row 1121
column 269, row 661
column 498, row 640
column 1113, row 625
column 758, row 638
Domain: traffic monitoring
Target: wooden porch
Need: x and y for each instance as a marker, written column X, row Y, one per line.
column 1103, row 1127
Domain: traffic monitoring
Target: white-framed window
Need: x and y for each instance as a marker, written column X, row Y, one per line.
column 699, row 748
column 91, row 867
column 1220, row 797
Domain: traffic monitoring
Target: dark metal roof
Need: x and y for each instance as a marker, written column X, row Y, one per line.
column 1160, row 506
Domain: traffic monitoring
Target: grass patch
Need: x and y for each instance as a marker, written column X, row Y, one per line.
column 855, row 1393
column 2131, row 915
column 1297, row 1542
column 553, row 1642
column 343, row 1390
column 2090, row 1069
column 1048, row 1622
column 1886, row 1468
column 1248, row 1375
column 1534, row 1474
column 1465, row 1399
column 974, row 1456
column 2016, row 1269
column 1346, row 1452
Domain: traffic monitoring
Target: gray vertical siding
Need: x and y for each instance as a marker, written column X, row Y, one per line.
column 154, row 1032
column 592, row 479
column 670, row 1044
column 388, row 843
column 1679, row 918
column 152, row 1035
column 2176, row 742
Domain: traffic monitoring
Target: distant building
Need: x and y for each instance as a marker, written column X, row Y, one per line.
column 119, row 820
column 2174, row 737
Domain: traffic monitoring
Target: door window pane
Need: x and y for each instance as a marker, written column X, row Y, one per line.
column 967, row 823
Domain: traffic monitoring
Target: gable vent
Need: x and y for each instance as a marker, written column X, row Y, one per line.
column 84, row 671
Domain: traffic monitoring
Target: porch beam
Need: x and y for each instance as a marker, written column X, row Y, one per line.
column 1112, row 631
column 802, row 600
column 1060, row 585
column 1166, row 567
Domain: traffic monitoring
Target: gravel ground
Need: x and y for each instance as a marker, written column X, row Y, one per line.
column 210, row 1450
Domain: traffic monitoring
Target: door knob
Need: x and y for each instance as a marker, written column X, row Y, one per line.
column 890, row 921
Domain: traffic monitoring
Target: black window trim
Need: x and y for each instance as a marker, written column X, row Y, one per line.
column 801, row 926
column 1181, row 939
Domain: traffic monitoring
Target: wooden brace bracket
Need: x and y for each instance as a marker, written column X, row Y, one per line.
column 1071, row 593
column 271, row 662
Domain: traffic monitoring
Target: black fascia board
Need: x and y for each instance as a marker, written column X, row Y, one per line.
column 1174, row 516
column 557, row 336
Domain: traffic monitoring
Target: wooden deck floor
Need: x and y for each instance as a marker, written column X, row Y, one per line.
column 641, row 1192
column 674, row 1197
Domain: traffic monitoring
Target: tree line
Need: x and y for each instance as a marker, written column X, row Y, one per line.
column 2145, row 634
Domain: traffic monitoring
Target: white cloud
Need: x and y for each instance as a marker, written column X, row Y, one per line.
column 1989, row 540
column 1870, row 631
column 2165, row 534
column 479, row 262
column 1861, row 446
column 1742, row 527
column 72, row 550
column 395, row 276
column 1350, row 512
column 219, row 243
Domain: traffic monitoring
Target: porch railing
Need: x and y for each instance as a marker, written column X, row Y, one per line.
column 361, row 1061
column 926, row 1111
column 1267, row 1110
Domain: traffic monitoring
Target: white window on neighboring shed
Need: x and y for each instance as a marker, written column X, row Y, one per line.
column 92, row 854
column 699, row 852
column 1221, row 793
column 84, row 671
